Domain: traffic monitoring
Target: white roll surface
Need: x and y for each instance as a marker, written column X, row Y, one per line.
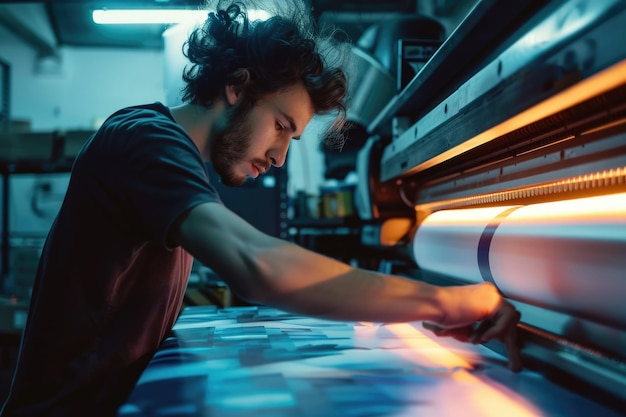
column 568, row 256
column 446, row 242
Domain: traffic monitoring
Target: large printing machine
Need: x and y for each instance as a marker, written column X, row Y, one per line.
column 503, row 160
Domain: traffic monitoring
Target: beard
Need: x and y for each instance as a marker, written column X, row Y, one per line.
column 230, row 142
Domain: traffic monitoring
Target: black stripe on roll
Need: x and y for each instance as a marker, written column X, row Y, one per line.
column 484, row 244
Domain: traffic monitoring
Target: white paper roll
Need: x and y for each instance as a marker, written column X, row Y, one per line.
column 568, row 256
column 447, row 241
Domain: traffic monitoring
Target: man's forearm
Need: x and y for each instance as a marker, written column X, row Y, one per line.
column 363, row 295
column 308, row 283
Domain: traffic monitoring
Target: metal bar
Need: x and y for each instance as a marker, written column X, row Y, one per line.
column 5, row 99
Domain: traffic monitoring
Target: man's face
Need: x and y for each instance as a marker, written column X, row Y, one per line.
column 251, row 140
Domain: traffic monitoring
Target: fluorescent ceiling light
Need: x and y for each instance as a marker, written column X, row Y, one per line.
column 146, row 16
column 159, row 16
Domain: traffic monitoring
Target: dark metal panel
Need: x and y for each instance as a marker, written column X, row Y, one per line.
column 579, row 40
column 364, row 5
column 484, row 30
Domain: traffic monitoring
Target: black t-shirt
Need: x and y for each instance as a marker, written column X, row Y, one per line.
column 110, row 281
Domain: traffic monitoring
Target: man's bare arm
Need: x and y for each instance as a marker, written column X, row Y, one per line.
column 270, row 271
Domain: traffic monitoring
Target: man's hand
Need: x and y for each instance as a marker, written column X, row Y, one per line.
column 500, row 323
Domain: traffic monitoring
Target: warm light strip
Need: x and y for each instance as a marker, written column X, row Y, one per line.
column 416, row 339
column 602, row 82
column 614, row 177
column 488, row 397
column 159, row 16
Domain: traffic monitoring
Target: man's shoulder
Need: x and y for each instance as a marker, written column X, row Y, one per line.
column 148, row 121
column 147, row 112
column 138, row 130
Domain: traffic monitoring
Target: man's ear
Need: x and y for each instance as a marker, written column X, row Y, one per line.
column 232, row 93
column 233, row 89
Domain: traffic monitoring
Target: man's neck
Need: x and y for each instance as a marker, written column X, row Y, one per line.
column 198, row 121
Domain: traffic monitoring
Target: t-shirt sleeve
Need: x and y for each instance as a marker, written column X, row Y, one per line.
column 164, row 176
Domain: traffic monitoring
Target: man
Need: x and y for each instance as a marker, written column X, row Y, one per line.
column 139, row 206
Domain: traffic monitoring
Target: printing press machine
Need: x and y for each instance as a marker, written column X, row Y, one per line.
column 503, row 160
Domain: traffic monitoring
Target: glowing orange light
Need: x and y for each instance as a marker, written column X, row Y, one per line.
column 466, row 217
column 488, row 398
column 604, row 209
column 606, row 80
column 438, row 355
column 600, row 209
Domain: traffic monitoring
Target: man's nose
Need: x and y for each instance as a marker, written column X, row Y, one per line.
column 278, row 156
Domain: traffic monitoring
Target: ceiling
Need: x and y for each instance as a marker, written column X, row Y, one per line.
column 71, row 23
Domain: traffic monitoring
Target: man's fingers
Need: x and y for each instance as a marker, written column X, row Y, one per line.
column 508, row 334
column 504, row 328
column 459, row 333
column 513, row 351
column 432, row 327
column 500, row 324
column 482, row 331
column 491, row 330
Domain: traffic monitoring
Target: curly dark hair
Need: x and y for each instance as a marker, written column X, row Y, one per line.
column 261, row 57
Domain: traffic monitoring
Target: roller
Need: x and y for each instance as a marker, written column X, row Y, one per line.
column 568, row 256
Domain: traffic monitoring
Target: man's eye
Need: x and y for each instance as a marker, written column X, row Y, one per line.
column 279, row 126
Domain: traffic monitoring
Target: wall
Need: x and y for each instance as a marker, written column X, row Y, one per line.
column 82, row 87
